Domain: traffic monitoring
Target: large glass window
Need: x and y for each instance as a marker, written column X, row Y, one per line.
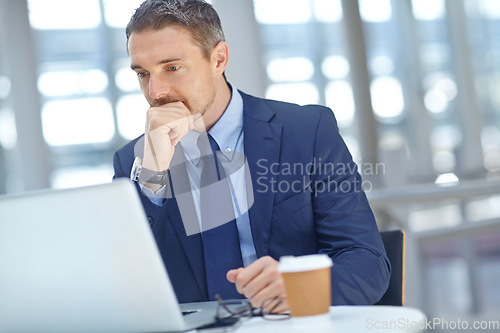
column 484, row 39
column 414, row 60
column 8, row 135
column 306, row 70
column 90, row 98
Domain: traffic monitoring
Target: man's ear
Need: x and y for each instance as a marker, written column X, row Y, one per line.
column 220, row 57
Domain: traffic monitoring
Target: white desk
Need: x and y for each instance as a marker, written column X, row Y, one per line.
column 344, row 319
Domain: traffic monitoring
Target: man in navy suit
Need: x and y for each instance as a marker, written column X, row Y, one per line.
column 305, row 192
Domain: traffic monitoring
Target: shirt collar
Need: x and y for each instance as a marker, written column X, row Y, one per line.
column 227, row 130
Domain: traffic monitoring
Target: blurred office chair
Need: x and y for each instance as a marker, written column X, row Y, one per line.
column 394, row 243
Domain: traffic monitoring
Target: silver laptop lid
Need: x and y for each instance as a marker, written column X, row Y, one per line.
column 82, row 260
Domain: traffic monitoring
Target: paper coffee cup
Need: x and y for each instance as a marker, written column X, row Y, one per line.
column 307, row 283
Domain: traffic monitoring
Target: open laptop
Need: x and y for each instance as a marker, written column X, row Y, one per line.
column 85, row 260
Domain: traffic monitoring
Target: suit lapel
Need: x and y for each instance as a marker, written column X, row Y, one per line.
column 182, row 205
column 262, row 149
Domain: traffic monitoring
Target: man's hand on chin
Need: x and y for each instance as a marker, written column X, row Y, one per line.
column 261, row 282
column 166, row 125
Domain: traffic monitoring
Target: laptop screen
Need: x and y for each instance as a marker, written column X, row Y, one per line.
column 82, row 260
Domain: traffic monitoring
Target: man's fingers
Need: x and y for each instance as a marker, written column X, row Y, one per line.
column 253, row 270
column 167, row 114
column 272, row 297
column 177, row 132
column 166, row 125
column 266, row 297
column 233, row 274
column 257, row 276
column 276, row 305
column 248, row 274
column 261, row 281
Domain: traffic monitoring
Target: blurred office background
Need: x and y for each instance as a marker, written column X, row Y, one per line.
column 414, row 84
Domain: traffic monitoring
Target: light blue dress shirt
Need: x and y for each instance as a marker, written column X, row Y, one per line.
column 228, row 133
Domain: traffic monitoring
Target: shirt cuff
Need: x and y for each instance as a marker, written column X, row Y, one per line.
column 158, row 198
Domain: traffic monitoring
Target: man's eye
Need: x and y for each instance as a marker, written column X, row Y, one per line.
column 173, row 68
column 142, row 74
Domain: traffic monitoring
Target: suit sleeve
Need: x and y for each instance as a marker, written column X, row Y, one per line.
column 117, row 167
column 345, row 226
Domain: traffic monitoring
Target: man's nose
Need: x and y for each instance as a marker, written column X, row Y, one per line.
column 158, row 87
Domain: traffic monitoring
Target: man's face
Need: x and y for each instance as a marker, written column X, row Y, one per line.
column 171, row 68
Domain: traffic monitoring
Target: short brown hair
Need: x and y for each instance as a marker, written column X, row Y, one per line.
column 196, row 16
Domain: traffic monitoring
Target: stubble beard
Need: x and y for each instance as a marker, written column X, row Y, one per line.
column 200, row 112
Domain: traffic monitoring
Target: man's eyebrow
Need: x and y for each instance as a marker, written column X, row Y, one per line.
column 161, row 62
column 166, row 61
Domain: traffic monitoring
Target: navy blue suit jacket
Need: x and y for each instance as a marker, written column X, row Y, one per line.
column 307, row 199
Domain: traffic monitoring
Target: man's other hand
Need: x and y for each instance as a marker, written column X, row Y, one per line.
column 261, row 282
